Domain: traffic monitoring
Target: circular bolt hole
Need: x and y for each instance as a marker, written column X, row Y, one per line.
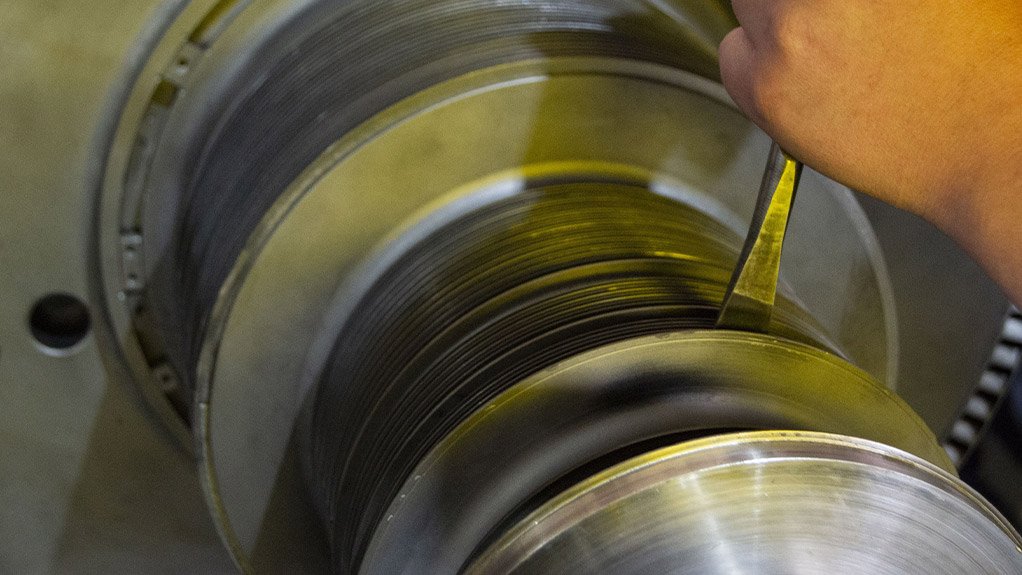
column 59, row 321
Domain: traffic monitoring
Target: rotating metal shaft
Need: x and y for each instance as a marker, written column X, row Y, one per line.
column 767, row 502
column 431, row 265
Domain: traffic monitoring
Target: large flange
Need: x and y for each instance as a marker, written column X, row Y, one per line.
column 764, row 502
column 620, row 399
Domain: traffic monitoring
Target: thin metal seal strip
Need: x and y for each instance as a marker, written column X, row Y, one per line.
column 749, row 299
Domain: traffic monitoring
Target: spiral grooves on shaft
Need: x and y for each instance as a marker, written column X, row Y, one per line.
column 491, row 298
column 330, row 70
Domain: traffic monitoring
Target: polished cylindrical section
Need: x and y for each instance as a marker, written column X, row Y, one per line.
column 768, row 502
column 573, row 420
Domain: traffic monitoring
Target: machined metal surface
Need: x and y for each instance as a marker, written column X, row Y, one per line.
column 92, row 479
column 245, row 134
column 484, row 300
column 553, row 428
column 251, row 394
column 768, row 502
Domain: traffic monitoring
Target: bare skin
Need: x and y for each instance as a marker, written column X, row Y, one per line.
column 916, row 102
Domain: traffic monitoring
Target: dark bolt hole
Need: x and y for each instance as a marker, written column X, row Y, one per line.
column 59, row 321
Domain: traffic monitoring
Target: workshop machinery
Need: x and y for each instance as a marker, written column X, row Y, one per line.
column 433, row 286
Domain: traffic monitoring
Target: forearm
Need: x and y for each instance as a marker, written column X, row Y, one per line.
column 989, row 225
column 918, row 103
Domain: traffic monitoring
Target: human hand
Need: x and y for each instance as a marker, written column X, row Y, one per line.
column 917, row 102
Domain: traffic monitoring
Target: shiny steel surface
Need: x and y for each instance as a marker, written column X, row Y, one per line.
column 749, row 299
column 236, row 191
column 571, row 262
column 235, row 132
column 276, row 96
column 249, row 391
column 767, row 502
column 624, row 398
column 95, row 462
